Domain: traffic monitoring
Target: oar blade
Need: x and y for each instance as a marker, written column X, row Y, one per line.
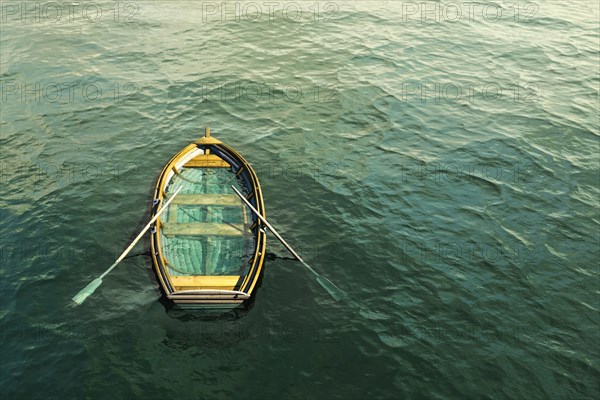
column 93, row 285
column 333, row 290
column 87, row 291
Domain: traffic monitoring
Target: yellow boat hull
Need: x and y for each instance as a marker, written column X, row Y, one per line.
column 208, row 248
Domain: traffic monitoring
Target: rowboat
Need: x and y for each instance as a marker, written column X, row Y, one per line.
column 207, row 247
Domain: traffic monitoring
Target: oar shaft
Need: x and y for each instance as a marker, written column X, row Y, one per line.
column 267, row 224
column 128, row 249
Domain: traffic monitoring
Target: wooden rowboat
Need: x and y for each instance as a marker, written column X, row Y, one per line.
column 208, row 248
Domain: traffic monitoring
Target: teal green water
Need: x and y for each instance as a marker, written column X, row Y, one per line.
column 443, row 174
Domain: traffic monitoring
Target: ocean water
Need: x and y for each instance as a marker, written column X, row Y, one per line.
column 439, row 162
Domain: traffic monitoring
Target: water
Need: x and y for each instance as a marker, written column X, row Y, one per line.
column 443, row 174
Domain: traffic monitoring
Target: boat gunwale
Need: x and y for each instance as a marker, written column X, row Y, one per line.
column 245, row 285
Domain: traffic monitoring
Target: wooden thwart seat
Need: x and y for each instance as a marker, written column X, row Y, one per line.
column 208, row 199
column 204, row 282
column 207, row 161
column 202, row 229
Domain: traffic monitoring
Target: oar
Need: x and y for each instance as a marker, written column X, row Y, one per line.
column 93, row 285
column 333, row 290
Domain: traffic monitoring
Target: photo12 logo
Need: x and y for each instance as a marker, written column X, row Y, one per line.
column 63, row 172
column 66, row 92
column 56, row 12
column 268, row 92
column 436, row 12
column 449, row 92
column 269, row 11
